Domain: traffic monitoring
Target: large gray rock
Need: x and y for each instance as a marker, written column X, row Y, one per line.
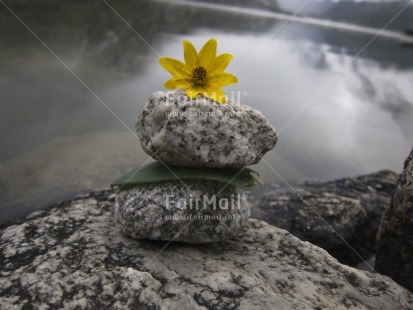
column 395, row 235
column 203, row 133
column 73, row 256
column 332, row 214
column 190, row 211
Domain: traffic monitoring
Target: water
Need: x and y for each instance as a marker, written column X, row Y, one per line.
column 337, row 114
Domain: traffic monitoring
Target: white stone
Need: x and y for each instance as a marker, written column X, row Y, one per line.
column 203, row 133
column 190, row 211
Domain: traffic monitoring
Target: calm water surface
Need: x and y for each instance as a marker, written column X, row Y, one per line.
column 342, row 106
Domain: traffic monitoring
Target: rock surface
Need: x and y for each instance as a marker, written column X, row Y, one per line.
column 352, row 207
column 395, row 235
column 202, row 133
column 189, row 211
column 73, row 256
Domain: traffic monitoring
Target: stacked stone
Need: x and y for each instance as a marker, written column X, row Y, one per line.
column 178, row 131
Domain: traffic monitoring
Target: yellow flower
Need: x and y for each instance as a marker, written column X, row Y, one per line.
column 202, row 73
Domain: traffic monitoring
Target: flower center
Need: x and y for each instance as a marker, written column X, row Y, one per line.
column 199, row 75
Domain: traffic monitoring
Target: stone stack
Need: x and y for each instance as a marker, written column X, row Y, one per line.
column 199, row 133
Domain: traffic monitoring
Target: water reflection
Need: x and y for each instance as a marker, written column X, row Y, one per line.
column 344, row 130
column 336, row 117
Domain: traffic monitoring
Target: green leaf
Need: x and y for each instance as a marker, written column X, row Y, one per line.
column 156, row 172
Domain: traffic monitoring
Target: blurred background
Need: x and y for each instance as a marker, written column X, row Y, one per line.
column 334, row 84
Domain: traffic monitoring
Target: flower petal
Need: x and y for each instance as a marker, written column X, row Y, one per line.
column 208, row 54
column 183, row 83
column 190, row 55
column 193, row 91
column 170, row 84
column 174, row 67
column 220, row 63
column 218, row 95
column 222, row 79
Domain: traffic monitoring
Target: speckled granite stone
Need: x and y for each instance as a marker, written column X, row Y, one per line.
column 193, row 211
column 395, row 235
column 351, row 206
column 203, row 133
column 72, row 256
